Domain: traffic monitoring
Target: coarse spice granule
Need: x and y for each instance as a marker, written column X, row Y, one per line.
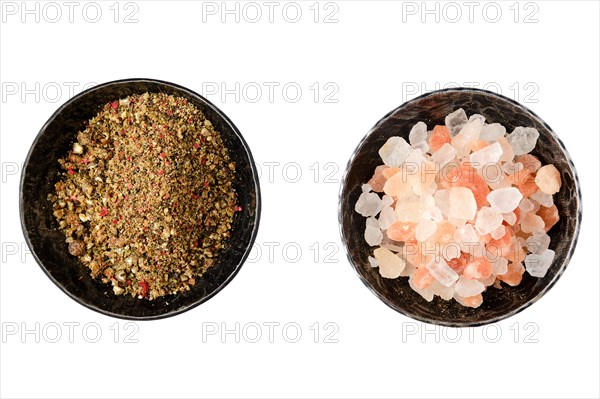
column 146, row 197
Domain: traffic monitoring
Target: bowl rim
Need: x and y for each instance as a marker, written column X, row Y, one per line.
column 255, row 177
column 452, row 323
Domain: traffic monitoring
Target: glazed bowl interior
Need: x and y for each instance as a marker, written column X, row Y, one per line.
column 47, row 243
column 432, row 108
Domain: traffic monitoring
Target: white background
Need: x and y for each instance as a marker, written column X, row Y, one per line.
column 369, row 59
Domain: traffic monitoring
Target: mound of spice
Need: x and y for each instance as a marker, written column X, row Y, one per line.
column 146, row 199
column 461, row 208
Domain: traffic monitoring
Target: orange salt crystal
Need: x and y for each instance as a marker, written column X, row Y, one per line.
column 378, row 179
column 439, row 136
column 528, row 187
column 519, row 177
column 502, row 245
column 479, row 268
column 467, row 176
column 402, row 231
column 514, row 275
column 459, row 264
column 444, row 233
column 421, row 278
column 549, row 216
column 515, row 253
column 473, row 301
column 530, row 162
column 389, row 172
column 478, row 145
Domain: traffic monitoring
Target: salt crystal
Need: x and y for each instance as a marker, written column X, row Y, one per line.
column 492, row 132
column 425, row 229
column 548, row 179
column 373, row 234
column 471, row 302
column 538, row 243
column 442, row 201
column 387, row 200
column 368, row 204
column 398, row 186
column 366, row 188
column 525, row 206
column 523, row 139
column 543, row 199
column 469, row 133
column 466, row 234
column 507, row 151
column 408, row 211
column 387, row 217
column 486, row 156
column 433, row 213
column 426, row 293
column 444, row 155
column 428, row 201
column 500, row 183
column 499, row 232
column 466, row 287
column 511, row 167
column 456, row 120
column 505, row 199
column 446, row 293
column 477, row 117
column 408, row 270
column 531, row 223
column 451, row 251
column 499, row 266
column 510, row 218
column 421, row 146
column 462, row 203
column 418, row 133
column 487, row 220
column 440, row 270
column 390, row 264
column 491, row 279
column 373, row 262
column 538, row 265
column 394, row 151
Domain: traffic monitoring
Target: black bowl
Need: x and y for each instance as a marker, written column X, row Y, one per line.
column 47, row 243
column 432, row 108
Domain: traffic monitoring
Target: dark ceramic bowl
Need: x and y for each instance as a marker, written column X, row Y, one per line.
column 47, row 243
column 432, row 109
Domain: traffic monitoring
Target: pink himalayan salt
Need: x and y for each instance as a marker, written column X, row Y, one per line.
column 439, row 136
column 378, row 179
column 548, row 179
column 549, row 216
column 514, row 275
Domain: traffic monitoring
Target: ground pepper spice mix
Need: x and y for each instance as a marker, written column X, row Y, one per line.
column 146, row 197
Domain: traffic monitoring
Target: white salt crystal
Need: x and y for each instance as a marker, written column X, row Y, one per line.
column 394, row 151
column 456, row 120
column 466, row 287
column 433, row 213
column 499, row 232
column 387, row 217
column 442, row 201
column 387, row 200
column 462, row 203
column 418, row 133
column 538, row 243
column 428, row 201
column 373, row 262
column 486, row 156
column 446, row 293
column 477, row 117
column 443, row 156
column 499, row 266
column 425, row 229
column 510, row 218
column 538, row 265
column 422, row 146
column 390, row 265
column 469, row 133
column 525, row 206
column 505, row 199
column 366, row 188
column 373, row 234
column 466, row 234
column 488, row 220
column 409, row 211
column 492, row 132
column 523, row 139
column 543, row 199
column 500, row 183
column 368, row 204
column 440, row 270
column 426, row 293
